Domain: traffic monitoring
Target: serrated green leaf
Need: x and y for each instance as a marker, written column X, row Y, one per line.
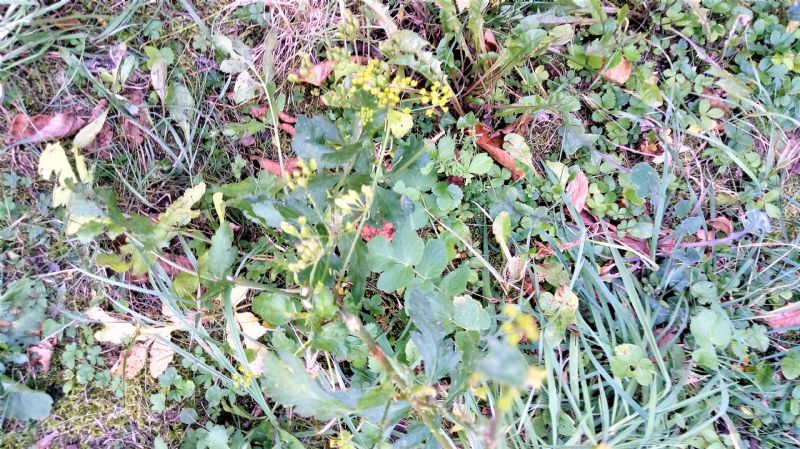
column 221, row 255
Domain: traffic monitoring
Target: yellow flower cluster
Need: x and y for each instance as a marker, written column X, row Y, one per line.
column 519, row 326
column 301, row 176
column 438, row 96
column 244, row 379
column 309, row 250
column 365, row 114
column 374, row 78
column 343, row 441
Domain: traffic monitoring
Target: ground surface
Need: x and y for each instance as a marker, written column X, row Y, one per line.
column 374, row 224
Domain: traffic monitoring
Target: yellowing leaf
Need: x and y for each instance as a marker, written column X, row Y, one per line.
column 114, row 330
column 180, row 212
column 147, row 349
column 53, row 161
column 400, row 123
column 219, row 206
column 619, row 73
column 88, row 133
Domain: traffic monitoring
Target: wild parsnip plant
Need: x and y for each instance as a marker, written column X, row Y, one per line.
column 467, row 224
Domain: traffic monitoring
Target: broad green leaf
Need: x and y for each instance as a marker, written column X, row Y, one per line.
column 448, row 196
column 221, row 255
column 313, row 137
column 455, row 282
column 470, row 314
column 287, row 382
column 504, row 363
column 645, row 180
column 704, row 291
column 437, row 352
column 712, row 327
column 480, row 164
column 23, row 403
column 790, row 365
column 630, row 361
column 434, row 260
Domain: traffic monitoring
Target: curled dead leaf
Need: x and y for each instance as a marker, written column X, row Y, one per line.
column 44, row 353
column 494, row 147
column 577, row 190
column 273, row 166
column 619, row 73
column 42, row 128
column 721, row 224
column 784, row 317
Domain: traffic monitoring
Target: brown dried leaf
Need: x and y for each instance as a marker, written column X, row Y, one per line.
column 317, row 74
column 494, row 148
column 160, row 356
column 619, row 73
column 273, row 166
column 44, row 353
column 42, row 128
column 577, row 190
column 786, row 316
column 721, row 224
column 131, row 360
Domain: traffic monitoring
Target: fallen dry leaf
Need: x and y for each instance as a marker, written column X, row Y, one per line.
column 786, row 316
column 44, row 353
column 42, row 128
column 248, row 140
column 577, row 190
column 273, row 166
column 721, row 224
column 370, row 232
column 147, row 350
column 284, row 117
column 494, row 148
column 619, row 73
column 131, row 360
column 316, row 75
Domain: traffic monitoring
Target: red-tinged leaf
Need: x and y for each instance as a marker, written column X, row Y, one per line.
column 42, row 128
column 489, row 39
column 286, row 118
column 721, row 224
column 369, row 232
column 288, row 128
column 494, row 148
column 786, row 316
column 273, row 166
column 577, row 190
column 259, row 112
column 619, row 73
column 317, row 74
